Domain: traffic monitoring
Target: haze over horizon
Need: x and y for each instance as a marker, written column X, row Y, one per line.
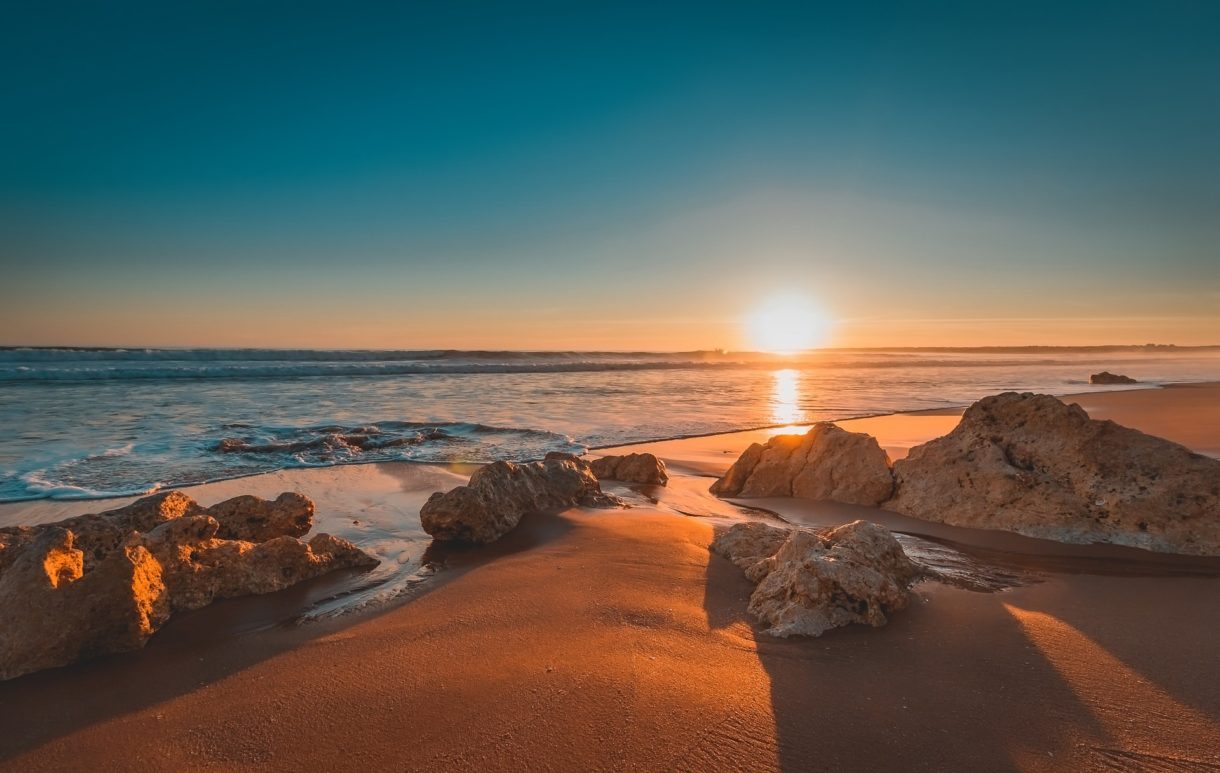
column 561, row 177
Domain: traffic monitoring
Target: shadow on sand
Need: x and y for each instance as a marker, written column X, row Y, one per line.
column 202, row 647
column 965, row 680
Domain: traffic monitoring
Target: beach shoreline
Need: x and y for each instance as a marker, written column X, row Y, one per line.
column 615, row 640
column 9, row 507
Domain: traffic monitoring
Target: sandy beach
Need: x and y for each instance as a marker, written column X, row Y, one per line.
column 647, row 387
column 614, row 640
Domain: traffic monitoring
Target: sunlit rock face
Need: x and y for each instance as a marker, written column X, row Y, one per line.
column 105, row 582
column 827, row 462
column 499, row 494
column 810, row 582
column 631, row 468
column 1031, row 464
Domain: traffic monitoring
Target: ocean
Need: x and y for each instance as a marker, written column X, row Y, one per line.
column 92, row 422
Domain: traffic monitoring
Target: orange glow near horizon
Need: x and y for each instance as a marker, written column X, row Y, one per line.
column 787, row 324
column 677, row 324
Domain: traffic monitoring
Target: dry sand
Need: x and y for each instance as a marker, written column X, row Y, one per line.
column 614, row 640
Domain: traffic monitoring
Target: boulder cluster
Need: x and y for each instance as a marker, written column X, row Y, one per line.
column 809, row 582
column 1026, row 463
column 105, row 582
column 499, row 494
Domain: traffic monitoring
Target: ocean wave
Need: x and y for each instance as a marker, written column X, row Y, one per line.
column 314, row 369
column 240, row 450
column 332, row 442
column 38, row 485
column 38, row 355
column 74, row 371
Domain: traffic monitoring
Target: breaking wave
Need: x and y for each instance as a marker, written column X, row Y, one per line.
column 238, row 450
column 88, row 422
column 32, row 364
column 314, row 369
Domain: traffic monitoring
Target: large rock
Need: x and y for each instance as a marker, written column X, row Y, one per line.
column 1106, row 377
column 810, row 582
column 1031, row 464
column 105, row 582
column 53, row 612
column 97, row 535
column 198, row 566
column 827, row 462
column 499, row 494
column 632, row 468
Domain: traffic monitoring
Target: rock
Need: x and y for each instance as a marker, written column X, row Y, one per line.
column 53, row 612
column 810, row 582
column 257, row 520
column 748, row 545
column 827, row 462
column 105, row 582
column 1106, row 377
column 1031, row 464
column 97, row 535
column 198, row 567
column 499, row 494
column 632, row 468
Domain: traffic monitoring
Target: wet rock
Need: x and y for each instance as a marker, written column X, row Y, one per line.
column 813, row 582
column 631, row 468
column 827, row 462
column 1030, row 464
column 1106, row 377
column 105, row 582
column 499, row 494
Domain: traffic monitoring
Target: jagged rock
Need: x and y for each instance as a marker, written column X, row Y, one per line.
column 499, row 494
column 632, row 468
column 827, row 462
column 198, row 567
column 1106, row 377
column 105, row 582
column 810, row 582
column 53, row 612
column 254, row 519
column 748, row 545
column 1031, row 464
column 97, row 535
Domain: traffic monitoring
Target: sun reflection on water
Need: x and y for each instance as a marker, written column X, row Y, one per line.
column 785, row 400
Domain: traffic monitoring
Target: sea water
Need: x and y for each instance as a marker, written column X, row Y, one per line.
column 86, row 423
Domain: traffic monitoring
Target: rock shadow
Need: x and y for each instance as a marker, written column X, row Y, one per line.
column 951, row 683
column 204, row 646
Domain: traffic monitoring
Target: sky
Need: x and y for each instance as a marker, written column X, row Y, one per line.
column 619, row 176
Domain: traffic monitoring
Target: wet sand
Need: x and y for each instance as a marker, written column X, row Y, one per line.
column 615, row 640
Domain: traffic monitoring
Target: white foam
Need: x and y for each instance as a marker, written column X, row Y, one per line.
column 38, row 486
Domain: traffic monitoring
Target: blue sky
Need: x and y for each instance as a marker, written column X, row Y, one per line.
column 557, row 176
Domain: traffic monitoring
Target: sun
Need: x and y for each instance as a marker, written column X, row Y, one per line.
column 786, row 324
